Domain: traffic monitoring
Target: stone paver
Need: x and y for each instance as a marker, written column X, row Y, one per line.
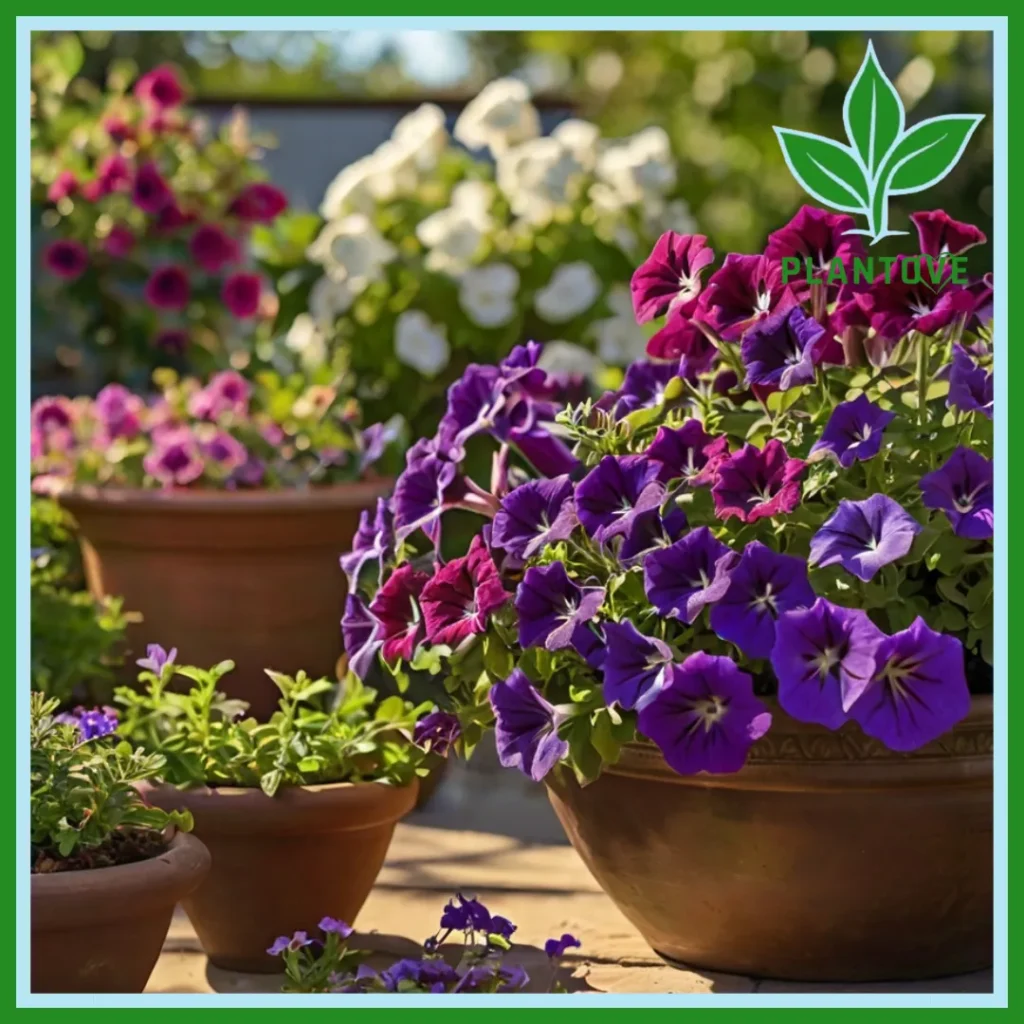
column 493, row 834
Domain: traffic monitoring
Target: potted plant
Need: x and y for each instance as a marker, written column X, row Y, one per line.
column 217, row 510
column 298, row 812
column 107, row 868
column 743, row 631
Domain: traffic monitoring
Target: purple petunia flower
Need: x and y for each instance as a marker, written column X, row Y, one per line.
column 464, row 915
column 458, row 600
column 288, row 944
column 526, row 727
column 150, row 193
column 962, row 488
column 762, row 585
column 706, row 718
column 783, row 350
column 650, row 530
column 757, row 482
column 687, row 452
column 373, row 442
column 168, row 288
column 175, row 458
column 539, row 512
column 556, row 948
column 644, row 386
column 224, row 450
column 635, row 666
column 824, row 659
column 862, row 536
column 548, row 454
column 437, row 731
column 919, row 689
column 552, row 608
column 119, row 411
column 360, row 632
column 157, row 659
column 939, row 234
column 332, row 926
column 420, row 495
column 92, row 723
column 474, row 402
column 670, row 276
column 745, row 290
column 259, row 203
column 374, row 541
column 609, row 497
column 970, row 385
column 684, row 577
column 397, row 609
column 854, row 431
column 226, row 393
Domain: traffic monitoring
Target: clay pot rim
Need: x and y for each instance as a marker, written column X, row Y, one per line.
column 184, row 500
column 61, row 899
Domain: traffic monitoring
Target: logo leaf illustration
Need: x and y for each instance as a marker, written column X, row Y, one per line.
column 826, row 170
column 927, row 153
column 873, row 114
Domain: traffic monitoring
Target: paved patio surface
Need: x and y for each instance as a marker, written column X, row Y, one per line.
column 493, row 834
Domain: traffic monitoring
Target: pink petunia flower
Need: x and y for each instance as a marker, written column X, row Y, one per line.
column 168, row 288
column 160, row 89
column 66, row 258
column 754, row 483
column 241, row 294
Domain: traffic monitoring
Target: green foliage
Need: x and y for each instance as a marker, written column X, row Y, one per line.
column 206, row 741
column 84, row 792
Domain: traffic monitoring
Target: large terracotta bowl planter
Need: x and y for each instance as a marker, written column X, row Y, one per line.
column 281, row 863
column 102, row 930
column 248, row 575
column 827, row 858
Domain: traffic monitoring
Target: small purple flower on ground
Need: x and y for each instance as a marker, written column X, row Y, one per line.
column 556, row 948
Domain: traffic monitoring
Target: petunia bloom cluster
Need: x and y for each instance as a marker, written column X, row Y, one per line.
column 225, row 432
column 787, row 511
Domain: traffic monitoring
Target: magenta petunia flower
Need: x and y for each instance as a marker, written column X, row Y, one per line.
column 66, row 258
column 962, row 488
column 172, row 218
column 259, row 203
column 168, row 288
column 437, row 731
column 175, row 458
column 745, row 290
column 117, row 129
column 160, row 88
column 918, row 691
column 820, row 237
column 461, row 595
column 213, row 248
column 63, row 186
column 854, row 431
column 360, row 634
column 671, row 275
column 783, row 350
column 119, row 242
column 970, row 385
column 650, row 530
column 824, row 659
column 172, row 340
column 119, row 412
column 536, row 513
column 113, row 174
column 226, row 393
column 635, row 667
column 939, row 234
column 553, row 609
column 762, row 585
column 241, row 294
column 609, row 497
column 526, row 727
column 862, row 536
column 396, row 607
column 706, row 718
column 224, row 450
column 757, row 482
column 683, row 578
column 688, row 453
column 681, row 340
column 52, row 425
column 374, row 541
column 150, row 192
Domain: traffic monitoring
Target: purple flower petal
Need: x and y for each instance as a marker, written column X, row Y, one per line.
column 970, row 385
column 609, row 497
column 538, row 513
column 688, row 452
column 962, row 488
column 635, row 666
column 783, row 350
column 526, row 727
column 552, row 607
column 693, row 572
column 670, row 276
column 854, row 431
column 360, row 633
column 650, row 530
column 754, row 483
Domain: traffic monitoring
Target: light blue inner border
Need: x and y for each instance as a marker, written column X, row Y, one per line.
column 998, row 26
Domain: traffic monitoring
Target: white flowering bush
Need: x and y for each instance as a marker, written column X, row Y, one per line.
column 435, row 252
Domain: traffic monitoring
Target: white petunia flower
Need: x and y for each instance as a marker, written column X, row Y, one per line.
column 538, row 177
column 474, row 198
column 420, row 343
column 329, row 299
column 638, row 166
column 423, row 134
column 352, row 250
column 500, row 116
column 620, row 341
column 350, row 190
column 565, row 358
column 660, row 216
column 580, row 138
column 488, row 294
column 454, row 235
column 307, row 341
column 395, row 171
column 573, row 289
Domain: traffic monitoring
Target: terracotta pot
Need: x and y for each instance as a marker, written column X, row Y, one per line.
column 281, row 863
column 248, row 575
column 102, row 930
column 827, row 858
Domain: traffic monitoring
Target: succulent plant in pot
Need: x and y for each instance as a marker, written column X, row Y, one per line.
column 107, row 867
column 298, row 812
column 737, row 614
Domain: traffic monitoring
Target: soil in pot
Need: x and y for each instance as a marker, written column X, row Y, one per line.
column 250, row 576
column 101, row 929
column 281, row 863
column 827, row 858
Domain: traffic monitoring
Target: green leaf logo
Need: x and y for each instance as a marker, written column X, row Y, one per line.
column 884, row 158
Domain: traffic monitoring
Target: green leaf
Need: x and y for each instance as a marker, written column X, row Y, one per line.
column 873, row 113
column 826, row 170
column 927, row 153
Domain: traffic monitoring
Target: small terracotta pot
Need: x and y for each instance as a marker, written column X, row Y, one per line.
column 281, row 863
column 248, row 575
column 102, row 930
column 827, row 858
